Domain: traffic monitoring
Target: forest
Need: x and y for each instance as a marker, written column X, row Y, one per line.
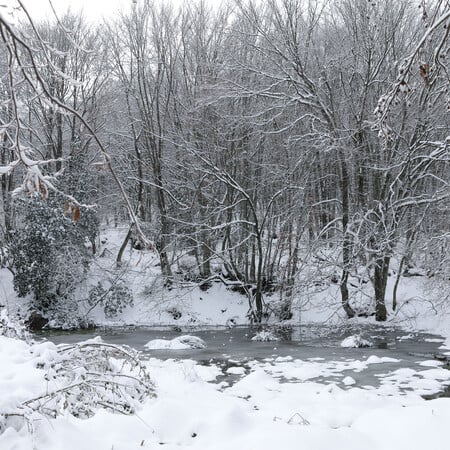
column 275, row 147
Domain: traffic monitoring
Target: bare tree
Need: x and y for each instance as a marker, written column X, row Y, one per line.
column 26, row 51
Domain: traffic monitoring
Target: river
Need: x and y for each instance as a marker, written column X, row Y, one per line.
column 234, row 347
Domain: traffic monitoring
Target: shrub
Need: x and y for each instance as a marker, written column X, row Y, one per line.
column 48, row 253
column 113, row 300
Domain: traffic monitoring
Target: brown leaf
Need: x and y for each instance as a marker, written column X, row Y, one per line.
column 424, row 69
column 68, row 208
column 43, row 190
column 76, row 214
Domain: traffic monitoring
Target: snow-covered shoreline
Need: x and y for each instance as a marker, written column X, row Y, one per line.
column 194, row 409
column 420, row 306
column 260, row 410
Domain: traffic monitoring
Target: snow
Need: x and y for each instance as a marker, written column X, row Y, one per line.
column 179, row 343
column 264, row 336
column 355, row 341
column 420, row 303
column 431, row 363
column 184, row 305
column 280, row 402
column 194, row 408
column 236, row 370
column 349, row 381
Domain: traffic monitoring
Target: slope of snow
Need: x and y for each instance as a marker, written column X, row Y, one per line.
column 184, row 304
column 260, row 411
column 420, row 302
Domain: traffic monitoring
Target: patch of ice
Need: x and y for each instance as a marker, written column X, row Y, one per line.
column 431, row 363
column 373, row 359
column 283, row 358
column 406, row 337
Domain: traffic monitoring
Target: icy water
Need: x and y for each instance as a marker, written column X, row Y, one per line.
column 234, row 347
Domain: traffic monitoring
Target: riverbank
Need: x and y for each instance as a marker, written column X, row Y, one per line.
column 272, row 401
column 276, row 401
column 422, row 305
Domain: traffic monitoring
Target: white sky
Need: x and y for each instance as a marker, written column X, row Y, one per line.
column 93, row 9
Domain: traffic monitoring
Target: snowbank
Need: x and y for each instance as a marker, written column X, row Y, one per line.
column 420, row 302
column 260, row 411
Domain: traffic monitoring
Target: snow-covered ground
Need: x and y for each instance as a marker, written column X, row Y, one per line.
column 421, row 305
column 275, row 403
column 194, row 409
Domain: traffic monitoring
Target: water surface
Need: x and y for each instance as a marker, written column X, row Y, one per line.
column 234, row 347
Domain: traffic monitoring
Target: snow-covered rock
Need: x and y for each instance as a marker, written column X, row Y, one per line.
column 236, row 370
column 232, row 322
column 179, row 343
column 356, row 341
column 264, row 336
column 349, row 381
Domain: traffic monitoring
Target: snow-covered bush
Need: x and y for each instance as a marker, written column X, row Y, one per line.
column 113, row 300
column 49, row 258
column 88, row 376
column 10, row 328
column 66, row 316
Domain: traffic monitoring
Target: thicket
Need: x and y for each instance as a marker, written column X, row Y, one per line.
column 50, row 257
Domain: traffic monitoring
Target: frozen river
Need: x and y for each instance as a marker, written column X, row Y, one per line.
column 229, row 348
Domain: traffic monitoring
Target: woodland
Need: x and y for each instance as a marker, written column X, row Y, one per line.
column 271, row 146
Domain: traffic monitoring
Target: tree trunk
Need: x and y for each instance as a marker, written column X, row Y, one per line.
column 162, row 241
column 346, row 244
column 379, row 283
column 7, row 186
column 124, row 246
column 344, row 295
column 205, row 242
column 258, row 303
column 397, row 282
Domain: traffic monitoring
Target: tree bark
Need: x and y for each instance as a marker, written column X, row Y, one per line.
column 379, row 282
column 346, row 244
